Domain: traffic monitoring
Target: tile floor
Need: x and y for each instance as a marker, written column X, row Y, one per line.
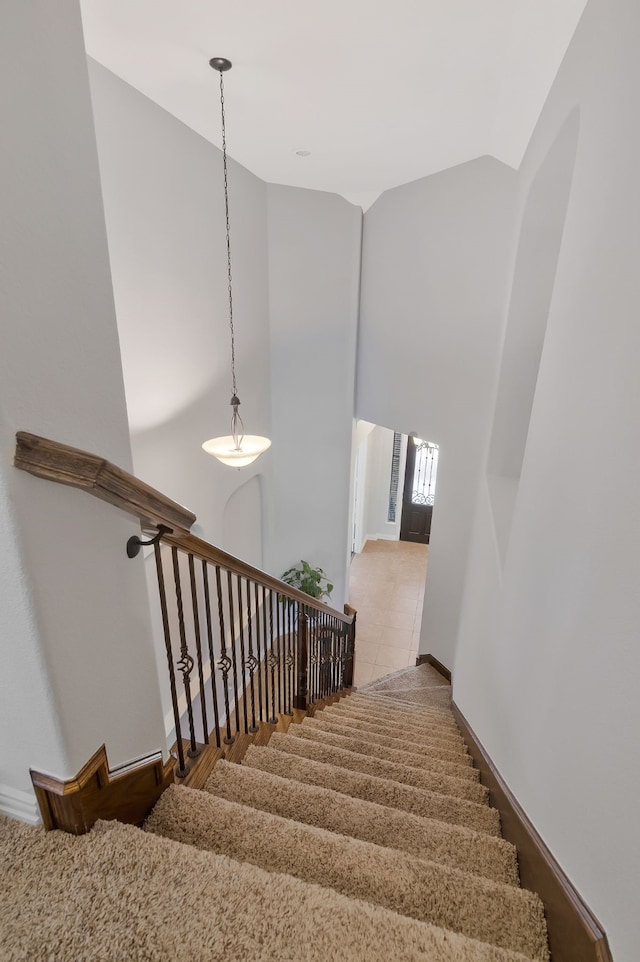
column 386, row 587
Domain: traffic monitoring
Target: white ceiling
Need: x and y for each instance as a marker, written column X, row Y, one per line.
column 381, row 93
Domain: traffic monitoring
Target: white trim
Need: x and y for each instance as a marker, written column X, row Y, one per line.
column 136, row 763
column 18, row 804
column 385, row 535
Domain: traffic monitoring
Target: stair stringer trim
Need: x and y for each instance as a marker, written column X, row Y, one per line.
column 575, row 935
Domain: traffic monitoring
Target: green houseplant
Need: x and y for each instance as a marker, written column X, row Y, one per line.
column 312, row 581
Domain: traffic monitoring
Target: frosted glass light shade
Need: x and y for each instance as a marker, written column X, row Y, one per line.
column 224, row 449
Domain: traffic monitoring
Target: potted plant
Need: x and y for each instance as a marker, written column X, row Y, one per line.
column 312, row 581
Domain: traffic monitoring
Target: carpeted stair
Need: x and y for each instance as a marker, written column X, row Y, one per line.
column 362, row 833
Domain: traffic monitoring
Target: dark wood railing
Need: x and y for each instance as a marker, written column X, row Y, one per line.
column 243, row 648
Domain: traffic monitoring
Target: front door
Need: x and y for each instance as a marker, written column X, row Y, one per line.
column 419, row 490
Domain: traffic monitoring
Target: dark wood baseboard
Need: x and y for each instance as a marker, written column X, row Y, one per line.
column 575, row 935
column 433, row 661
column 75, row 804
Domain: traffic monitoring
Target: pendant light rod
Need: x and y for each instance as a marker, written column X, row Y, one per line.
column 243, row 449
column 221, row 64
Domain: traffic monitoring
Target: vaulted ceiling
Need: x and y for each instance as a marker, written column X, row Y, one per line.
column 378, row 92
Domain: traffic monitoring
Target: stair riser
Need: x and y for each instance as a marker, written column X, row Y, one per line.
column 427, row 839
column 429, row 781
column 475, row 907
column 383, row 729
column 443, row 808
column 393, row 724
column 422, row 758
column 393, row 706
column 413, row 755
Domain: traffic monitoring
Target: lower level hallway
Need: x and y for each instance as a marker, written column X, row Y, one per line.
column 386, row 587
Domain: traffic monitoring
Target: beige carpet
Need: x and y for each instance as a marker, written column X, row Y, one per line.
column 362, row 834
column 425, row 676
column 411, row 752
column 455, row 811
column 120, row 895
column 395, row 725
column 502, row 915
column 388, row 702
column 449, row 782
column 456, row 753
column 429, row 839
column 391, row 713
column 431, row 781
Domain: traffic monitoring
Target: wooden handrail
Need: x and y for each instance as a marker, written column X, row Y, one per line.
column 207, row 552
column 239, row 631
column 58, row 462
column 80, row 469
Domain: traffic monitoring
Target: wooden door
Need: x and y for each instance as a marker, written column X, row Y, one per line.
column 419, row 491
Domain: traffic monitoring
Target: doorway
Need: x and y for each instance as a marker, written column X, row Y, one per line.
column 419, row 490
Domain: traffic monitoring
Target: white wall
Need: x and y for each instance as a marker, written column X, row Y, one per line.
column 314, row 260
column 75, row 643
column 434, row 290
column 164, row 209
column 548, row 660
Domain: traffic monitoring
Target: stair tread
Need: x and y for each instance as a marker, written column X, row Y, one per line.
column 379, row 725
column 228, row 910
column 387, row 702
column 455, row 751
column 416, row 719
column 430, row 839
column 426, row 761
column 419, row 754
column 419, row 733
column 503, row 915
column 439, row 696
column 418, row 778
column 422, row 676
column 374, row 788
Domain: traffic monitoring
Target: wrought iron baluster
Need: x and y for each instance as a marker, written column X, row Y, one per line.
column 243, row 678
column 225, row 662
column 196, row 628
column 320, row 649
column 259, row 620
column 278, row 647
column 325, row 657
column 343, row 656
column 334, row 655
column 273, row 660
column 351, row 654
column 301, row 698
column 212, row 660
column 287, row 660
column 251, row 662
column 182, row 769
column 313, row 646
column 265, row 651
column 185, row 662
column 234, row 660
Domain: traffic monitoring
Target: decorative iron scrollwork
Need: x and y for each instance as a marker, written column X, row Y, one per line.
column 224, row 664
column 289, row 660
column 272, row 660
column 251, row 662
column 186, row 663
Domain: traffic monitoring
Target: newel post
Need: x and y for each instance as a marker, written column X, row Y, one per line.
column 351, row 654
column 300, row 700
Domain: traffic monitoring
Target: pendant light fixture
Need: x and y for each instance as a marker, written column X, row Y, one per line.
column 236, row 449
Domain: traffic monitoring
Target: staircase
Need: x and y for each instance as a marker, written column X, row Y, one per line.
column 361, row 834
